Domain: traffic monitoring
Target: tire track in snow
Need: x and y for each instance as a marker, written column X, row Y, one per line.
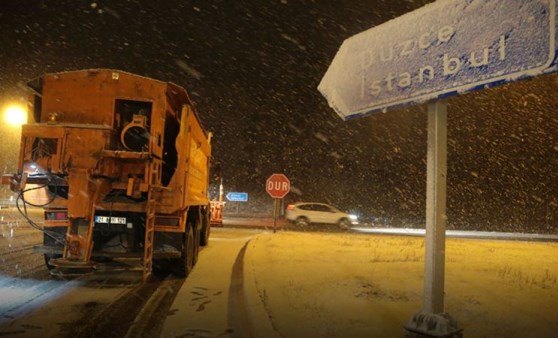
column 237, row 312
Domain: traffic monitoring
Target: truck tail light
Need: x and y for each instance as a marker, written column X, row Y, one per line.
column 56, row 215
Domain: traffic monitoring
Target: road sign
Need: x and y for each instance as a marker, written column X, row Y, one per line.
column 277, row 185
column 237, row 196
column 442, row 49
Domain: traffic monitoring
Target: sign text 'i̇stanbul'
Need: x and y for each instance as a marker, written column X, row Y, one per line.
column 442, row 49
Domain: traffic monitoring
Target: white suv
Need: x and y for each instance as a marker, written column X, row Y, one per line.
column 302, row 214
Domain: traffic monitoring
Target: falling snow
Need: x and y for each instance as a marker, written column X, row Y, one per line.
column 252, row 71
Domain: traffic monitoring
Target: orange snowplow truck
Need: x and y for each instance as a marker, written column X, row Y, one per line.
column 124, row 162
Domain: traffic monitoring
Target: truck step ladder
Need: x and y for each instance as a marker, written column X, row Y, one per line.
column 149, row 235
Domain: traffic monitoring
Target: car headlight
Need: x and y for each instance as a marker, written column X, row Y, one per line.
column 353, row 217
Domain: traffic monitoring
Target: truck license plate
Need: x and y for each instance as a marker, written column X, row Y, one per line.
column 113, row 220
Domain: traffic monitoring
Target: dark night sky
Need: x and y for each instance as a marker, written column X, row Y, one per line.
column 252, row 68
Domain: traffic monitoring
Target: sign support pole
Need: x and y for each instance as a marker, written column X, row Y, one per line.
column 431, row 321
column 275, row 212
column 435, row 208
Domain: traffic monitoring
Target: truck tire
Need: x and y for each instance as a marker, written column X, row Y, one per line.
column 48, row 257
column 190, row 259
column 184, row 265
column 205, row 230
column 197, row 233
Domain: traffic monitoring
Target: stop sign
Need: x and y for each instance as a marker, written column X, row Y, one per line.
column 277, row 185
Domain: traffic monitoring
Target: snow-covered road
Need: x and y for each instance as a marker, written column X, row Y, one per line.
column 251, row 281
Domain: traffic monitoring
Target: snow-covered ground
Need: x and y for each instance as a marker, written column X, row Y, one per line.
column 351, row 285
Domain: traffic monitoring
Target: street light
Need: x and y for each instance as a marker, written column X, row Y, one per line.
column 15, row 114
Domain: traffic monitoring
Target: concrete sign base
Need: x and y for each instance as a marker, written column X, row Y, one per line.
column 424, row 324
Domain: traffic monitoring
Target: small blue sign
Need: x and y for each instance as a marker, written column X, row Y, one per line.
column 237, row 196
column 442, row 49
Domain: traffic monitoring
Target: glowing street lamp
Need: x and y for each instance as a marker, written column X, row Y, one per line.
column 15, row 115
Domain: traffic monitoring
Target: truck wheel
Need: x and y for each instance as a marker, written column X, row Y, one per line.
column 186, row 262
column 48, row 257
column 205, row 230
column 196, row 243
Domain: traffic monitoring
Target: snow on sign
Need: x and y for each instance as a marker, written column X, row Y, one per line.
column 442, row 49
